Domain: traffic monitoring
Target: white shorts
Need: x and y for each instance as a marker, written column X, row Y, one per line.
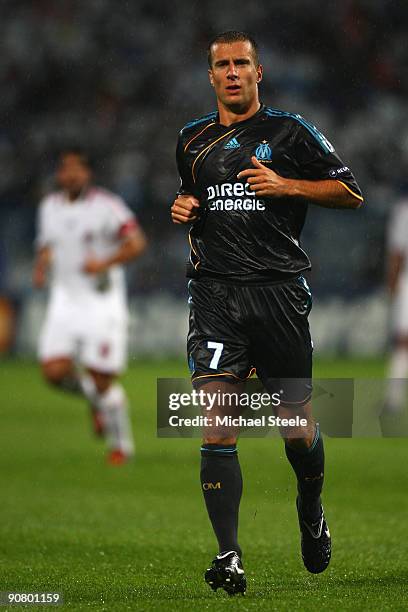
column 400, row 308
column 90, row 329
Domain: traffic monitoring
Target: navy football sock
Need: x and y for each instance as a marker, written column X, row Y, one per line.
column 308, row 466
column 221, row 483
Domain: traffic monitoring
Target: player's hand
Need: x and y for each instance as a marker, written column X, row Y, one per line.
column 39, row 277
column 95, row 266
column 184, row 209
column 264, row 181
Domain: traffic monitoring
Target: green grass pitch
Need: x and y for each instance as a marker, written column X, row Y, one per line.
column 137, row 537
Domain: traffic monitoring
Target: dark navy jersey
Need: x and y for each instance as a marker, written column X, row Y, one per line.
column 239, row 237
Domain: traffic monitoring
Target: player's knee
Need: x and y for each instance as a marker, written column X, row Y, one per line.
column 299, row 444
column 55, row 372
column 401, row 342
column 220, row 441
column 102, row 381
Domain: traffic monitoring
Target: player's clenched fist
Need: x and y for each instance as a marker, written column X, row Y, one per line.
column 185, row 209
column 95, row 266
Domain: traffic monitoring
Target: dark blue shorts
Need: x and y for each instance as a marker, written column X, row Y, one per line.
column 235, row 330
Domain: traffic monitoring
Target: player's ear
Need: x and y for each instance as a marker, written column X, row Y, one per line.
column 210, row 76
column 259, row 72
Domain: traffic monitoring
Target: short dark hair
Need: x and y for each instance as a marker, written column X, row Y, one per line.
column 81, row 152
column 232, row 36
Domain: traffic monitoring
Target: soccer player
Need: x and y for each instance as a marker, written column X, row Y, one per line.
column 85, row 235
column 397, row 282
column 248, row 173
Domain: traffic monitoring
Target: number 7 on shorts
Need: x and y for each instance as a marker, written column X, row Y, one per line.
column 218, row 348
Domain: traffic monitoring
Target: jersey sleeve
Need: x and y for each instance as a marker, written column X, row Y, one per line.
column 121, row 220
column 186, row 179
column 398, row 228
column 318, row 160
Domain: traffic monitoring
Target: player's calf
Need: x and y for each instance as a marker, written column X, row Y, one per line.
column 308, row 464
column 113, row 406
column 221, row 484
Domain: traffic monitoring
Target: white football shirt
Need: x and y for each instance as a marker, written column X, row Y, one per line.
column 90, row 227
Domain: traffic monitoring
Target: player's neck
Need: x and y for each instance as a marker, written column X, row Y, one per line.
column 74, row 196
column 228, row 116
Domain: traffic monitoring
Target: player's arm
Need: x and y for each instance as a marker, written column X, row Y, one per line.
column 41, row 265
column 185, row 207
column 395, row 265
column 131, row 246
column 322, row 177
column 327, row 193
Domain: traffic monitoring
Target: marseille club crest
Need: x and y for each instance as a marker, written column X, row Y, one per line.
column 263, row 152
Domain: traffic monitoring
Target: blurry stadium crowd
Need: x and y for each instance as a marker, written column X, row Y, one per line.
column 123, row 78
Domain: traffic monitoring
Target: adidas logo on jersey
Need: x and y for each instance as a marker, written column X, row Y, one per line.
column 232, row 144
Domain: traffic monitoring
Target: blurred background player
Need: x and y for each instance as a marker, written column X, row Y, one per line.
column 397, row 283
column 85, row 235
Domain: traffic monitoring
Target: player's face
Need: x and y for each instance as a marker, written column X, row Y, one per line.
column 234, row 74
column 73, row 174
